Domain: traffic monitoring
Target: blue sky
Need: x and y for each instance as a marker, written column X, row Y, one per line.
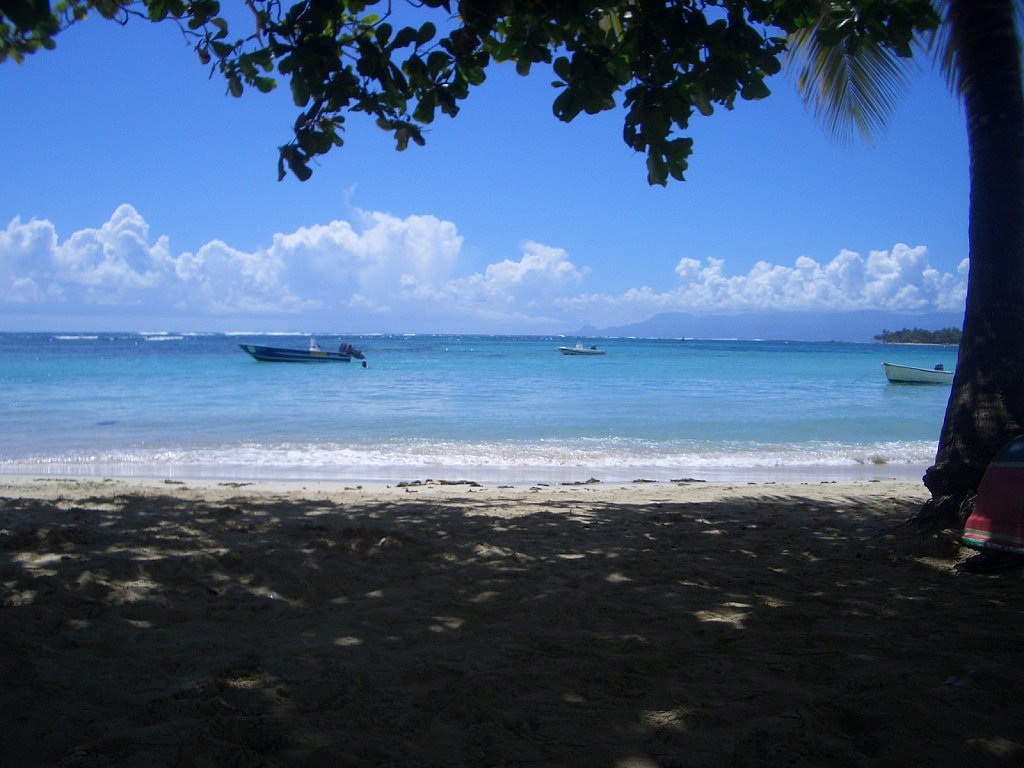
column 137, row 195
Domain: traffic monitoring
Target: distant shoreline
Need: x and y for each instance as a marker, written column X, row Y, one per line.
column 917, row 344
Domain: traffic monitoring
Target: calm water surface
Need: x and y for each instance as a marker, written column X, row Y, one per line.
column 463, row 407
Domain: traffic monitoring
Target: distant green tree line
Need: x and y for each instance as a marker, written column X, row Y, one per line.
column 920, row 336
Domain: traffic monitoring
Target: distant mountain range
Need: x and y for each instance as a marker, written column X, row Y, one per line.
column 779, row 326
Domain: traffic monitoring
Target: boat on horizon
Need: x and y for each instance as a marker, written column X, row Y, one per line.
column 579, row 349
column 314, row 354
column 908, row 374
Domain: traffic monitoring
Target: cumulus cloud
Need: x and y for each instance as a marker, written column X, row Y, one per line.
column 112, row 264
column 368, row 265
column 328, row 265
column 407, row 269
column 539, row 265
column 224, row 280
column 901, row 279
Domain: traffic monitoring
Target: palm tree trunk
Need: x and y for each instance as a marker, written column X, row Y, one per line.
column 986, row 405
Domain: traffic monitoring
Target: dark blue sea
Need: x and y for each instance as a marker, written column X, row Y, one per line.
column 487, row 408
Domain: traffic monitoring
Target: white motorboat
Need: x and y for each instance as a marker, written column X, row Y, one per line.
column 579, row 349
column 908, row 374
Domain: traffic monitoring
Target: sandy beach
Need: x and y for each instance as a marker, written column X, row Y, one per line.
column 648, row 625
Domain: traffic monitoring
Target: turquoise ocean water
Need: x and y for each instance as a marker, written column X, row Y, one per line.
column 493, row 409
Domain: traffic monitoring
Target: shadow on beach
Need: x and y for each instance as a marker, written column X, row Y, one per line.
column 562, row 627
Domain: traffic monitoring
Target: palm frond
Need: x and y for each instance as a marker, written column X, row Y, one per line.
column 848, row 90
column 943, row 47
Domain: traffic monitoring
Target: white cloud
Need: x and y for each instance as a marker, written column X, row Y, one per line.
column 226, row 280
column 311, row 268
column 406, row 270
column 540, row 264
column 115, row 260
column 113, row 264
column 900, row 279
column 521, row 293
column 367, row 268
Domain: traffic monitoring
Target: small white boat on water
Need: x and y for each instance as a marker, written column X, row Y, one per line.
column 579, row 349
column 908, row 374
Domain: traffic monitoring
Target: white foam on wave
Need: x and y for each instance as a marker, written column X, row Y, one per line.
column 608, row 460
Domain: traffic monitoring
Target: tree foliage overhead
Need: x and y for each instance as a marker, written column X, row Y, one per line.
column 402, row 61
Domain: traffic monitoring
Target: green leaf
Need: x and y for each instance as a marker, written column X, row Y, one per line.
column 505, row 51
column 415, row 69
column 449, row 104
column 370, row 59
column 699, row 95
column 301, row 169
column 223, row 50
column 300, row 92
column 474, row 75
column 406, row 132
column 424, row 112
column 563, row 68
column 657, row 170
column 426, row 33
column 438, row 62
column 222, row 28
column 401, row 138
column 565, row 106
column 264, row 84
column 405, row 36
column 157, row 10
column 297, row 163
column 755, row 90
